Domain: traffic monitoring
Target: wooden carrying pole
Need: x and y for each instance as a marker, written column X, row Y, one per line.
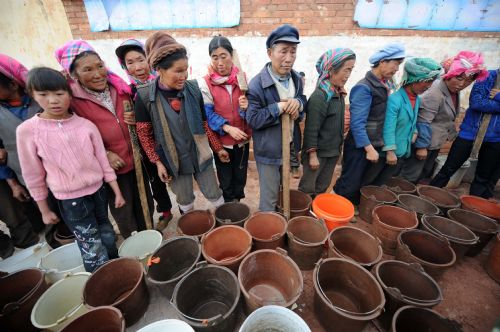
column 138, row 169
column 285, row 170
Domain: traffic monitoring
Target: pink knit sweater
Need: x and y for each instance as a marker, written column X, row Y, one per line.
column 67, row 156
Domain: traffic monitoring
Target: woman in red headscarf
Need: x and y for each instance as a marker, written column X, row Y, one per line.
column 100, row 96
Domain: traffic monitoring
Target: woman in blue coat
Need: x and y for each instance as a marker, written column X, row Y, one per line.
column 401, row 119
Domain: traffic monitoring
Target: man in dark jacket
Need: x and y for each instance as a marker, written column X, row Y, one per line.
column 276, row 90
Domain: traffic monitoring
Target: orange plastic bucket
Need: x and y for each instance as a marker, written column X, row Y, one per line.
column 334, row 209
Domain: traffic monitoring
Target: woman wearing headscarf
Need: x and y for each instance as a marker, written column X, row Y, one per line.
column 439, row 108
column 368, row 101
column 224, row 103
column 484, row 99
column 401, row 118
column 132, row 58
column 100, row 96
column 172, row 126
column 324, row 127
column 17, row 209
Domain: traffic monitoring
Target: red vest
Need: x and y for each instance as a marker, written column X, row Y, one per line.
column 114, row 130
column 227, row 106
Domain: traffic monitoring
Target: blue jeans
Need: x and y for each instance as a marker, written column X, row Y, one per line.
column 87, row 218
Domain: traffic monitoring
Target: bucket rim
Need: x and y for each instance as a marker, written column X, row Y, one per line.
column 276, row 308
column 10, row 263
column 19, row 302
column 437, row 209
column 366, row 196
column 51, row 289
column 426, row 223
column 135, row 235
column 276, row 236
column 56, row 251
column 494, row 225
column 376, row 239
column 317, row 222
column 104, row 266
column 409, row 307
column 160, row 322
column 399, row 178
column 417, row 268
column 207, row 212
column 215, row 319
column 282, row 253
column 231, row 261
column 169, row 241
column 435, row 237
column 376, row 218
column 93, row 310
column 442, row 190
column 345, row 313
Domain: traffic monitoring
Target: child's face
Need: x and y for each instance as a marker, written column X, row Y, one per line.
column 55, row 104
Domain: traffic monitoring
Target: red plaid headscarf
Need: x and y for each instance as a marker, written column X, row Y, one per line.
column 13, row 69
column 67, row 54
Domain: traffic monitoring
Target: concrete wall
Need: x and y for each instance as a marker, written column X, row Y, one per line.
column 253, row 54
column 32, row 29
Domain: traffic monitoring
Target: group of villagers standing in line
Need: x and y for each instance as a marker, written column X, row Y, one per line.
column 66, row 141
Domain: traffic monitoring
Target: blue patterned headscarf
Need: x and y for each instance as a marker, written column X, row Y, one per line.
column 326, row 62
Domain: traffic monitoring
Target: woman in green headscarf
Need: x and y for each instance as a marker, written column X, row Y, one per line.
column 324, row 128
column 401, row 118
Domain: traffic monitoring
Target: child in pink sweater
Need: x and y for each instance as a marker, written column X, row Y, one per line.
column 64, row 152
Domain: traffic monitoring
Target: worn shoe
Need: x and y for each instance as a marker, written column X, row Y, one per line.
column 6, row 246
column 295, row 173
column 163, row 222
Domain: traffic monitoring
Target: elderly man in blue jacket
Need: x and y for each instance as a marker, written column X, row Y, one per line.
column 277, row 89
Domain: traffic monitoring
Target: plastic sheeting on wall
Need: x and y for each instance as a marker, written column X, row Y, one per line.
column 120, row 15
column 467, row 15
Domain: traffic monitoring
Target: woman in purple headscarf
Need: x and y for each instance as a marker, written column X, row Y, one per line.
column 324, row 128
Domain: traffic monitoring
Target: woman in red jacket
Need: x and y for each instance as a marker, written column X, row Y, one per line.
column 224, row 103
column 99, row 96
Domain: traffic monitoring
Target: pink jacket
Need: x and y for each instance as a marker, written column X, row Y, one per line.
column 67, row 156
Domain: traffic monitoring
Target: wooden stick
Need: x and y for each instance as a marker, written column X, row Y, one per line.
column 138, row 169
column 285, row 171
column 242, row 81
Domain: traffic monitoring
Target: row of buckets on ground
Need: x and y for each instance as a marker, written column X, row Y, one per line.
column 244, row 255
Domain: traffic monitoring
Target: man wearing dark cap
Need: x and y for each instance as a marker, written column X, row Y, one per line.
column 277, row 89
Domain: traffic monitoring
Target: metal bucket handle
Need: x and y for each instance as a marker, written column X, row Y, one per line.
column 396, row 292
column 11, row 307
column 70, row 313
column 205, row 322
column 358, row 314
column 448, row 236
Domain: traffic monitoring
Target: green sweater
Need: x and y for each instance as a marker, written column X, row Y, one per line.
column 324, row 128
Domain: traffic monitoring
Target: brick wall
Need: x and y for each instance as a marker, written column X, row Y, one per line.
column 259, row 17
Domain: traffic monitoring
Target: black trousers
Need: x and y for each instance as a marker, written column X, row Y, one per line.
column 13, row 214
column 487, row 170
column 233, row 175
column 414, row 170
column 353, row 169
column 159, row 188
column 129, row 218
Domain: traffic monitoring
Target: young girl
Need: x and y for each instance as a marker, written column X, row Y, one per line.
column 64, row 152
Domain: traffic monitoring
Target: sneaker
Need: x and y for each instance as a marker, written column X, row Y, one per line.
column 295, row 173
column 163, row 223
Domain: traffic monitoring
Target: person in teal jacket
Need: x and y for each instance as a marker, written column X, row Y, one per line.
column 401, row 118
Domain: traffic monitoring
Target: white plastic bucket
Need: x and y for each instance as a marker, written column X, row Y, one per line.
column 24, row 259
column 167, row 325
column 456, row 179
column 141, row 245
column 61, row 303
column 274, row 318
column 62, row 261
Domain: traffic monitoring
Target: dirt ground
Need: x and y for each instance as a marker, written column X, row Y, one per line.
column 470, row 296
